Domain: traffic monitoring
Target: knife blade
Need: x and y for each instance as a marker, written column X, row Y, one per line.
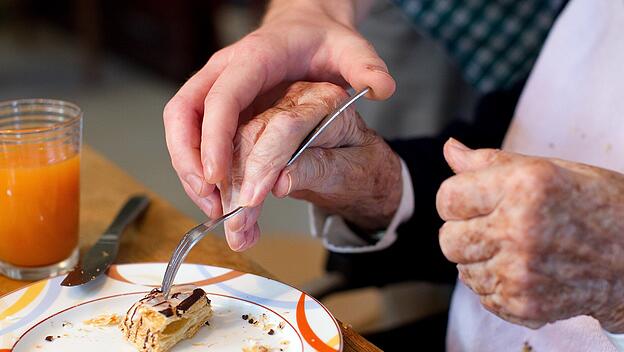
column 103, row 253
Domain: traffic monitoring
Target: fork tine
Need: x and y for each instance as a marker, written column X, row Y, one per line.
column 186, row 244
column 174, row 263
column 184, row 247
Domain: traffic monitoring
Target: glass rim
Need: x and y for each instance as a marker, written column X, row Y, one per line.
column 71, row 118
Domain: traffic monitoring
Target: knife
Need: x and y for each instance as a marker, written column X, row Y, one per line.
column 104, row 251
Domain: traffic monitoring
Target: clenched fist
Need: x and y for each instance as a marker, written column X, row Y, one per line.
column 537, row 239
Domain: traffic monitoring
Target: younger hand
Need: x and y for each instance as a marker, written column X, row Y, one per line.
column 316, row 42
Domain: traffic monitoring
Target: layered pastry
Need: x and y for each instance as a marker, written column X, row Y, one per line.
column 155, row 324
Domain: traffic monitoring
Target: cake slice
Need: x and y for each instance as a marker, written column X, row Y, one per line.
column 154, row 324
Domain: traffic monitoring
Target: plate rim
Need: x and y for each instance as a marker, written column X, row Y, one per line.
column 142, row 292
column 333, row 318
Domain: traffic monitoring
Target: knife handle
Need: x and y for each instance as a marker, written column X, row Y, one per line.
column 134, row 207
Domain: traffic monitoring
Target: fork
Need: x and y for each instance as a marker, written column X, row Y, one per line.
column 195, row 235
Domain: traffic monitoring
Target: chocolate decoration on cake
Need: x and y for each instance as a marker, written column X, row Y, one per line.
column 166, row 312
column 190, row 300
column 147, row 321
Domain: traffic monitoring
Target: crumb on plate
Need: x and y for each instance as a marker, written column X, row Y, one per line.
column 256, row 348
column 263, row 323
column 104, row 320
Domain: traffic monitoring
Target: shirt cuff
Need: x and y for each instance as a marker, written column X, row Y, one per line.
column 338, row 237
column 616, row 339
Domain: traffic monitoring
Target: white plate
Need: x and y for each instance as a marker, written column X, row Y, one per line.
column 45, row 308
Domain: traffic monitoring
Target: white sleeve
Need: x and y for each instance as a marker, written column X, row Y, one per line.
column 337, row 237
column 616, row 339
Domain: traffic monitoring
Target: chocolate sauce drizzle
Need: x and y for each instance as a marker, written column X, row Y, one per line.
column 154, row 299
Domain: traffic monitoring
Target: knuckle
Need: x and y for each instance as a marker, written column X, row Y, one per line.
column 285, row 116
column 443, row 198
column 493, row 156
column 519, row 279
column 331, row 90
column 264, row 161
column 445, row 238
column 361, row 41
column 172, row 109
column 217, row 94
column 319, row 166
column 256, row 47
column 286, row 123
column 176, row 166
column 315, row 93
column 332, row 94
column 219, row 55
column 249, row 133
column 236, row 178
column 538, row 175
column 444, row 234
column 524, row 307
column 300, row 86
column 258, row 168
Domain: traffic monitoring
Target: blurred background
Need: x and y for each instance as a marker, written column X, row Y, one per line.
column 121, row 61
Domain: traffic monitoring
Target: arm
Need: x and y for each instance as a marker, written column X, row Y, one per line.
column 417, row 246
column 348, row 12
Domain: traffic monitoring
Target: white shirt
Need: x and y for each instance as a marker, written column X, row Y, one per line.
column 572, row 108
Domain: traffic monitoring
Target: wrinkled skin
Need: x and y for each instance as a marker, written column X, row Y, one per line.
column 539, row 240
column 349, row 170
column 298, row 40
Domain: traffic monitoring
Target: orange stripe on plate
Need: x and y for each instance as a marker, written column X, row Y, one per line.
column 115, row 274
column 306, row 330
column 224, row 277
column 334, row 341
column 5, row 350
column 30, row 294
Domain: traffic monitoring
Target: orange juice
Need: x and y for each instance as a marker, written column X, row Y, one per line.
column 39, row 202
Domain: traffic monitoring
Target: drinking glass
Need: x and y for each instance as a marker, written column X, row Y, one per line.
column 40, row 141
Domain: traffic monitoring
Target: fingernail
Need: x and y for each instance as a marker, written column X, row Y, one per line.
column 238, row 222
column 378, row 69
column 195, row 182
column 208, row 172
column 289, row 184
column 458, row 145
column 246, row 193
column 284, row 186
column 237, row 241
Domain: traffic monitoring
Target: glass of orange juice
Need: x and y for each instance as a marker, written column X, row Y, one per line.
column 40, row 143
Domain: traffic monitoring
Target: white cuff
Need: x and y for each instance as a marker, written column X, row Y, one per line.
column 616, row 339
column 337, row 237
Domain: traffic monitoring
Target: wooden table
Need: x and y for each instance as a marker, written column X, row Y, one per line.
column 104, row 189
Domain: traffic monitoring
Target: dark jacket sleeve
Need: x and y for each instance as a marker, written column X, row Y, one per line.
column 416, row 254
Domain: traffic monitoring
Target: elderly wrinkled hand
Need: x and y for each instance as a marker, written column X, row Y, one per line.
column 311, row 40
column 537, row 239
column 349, row 170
